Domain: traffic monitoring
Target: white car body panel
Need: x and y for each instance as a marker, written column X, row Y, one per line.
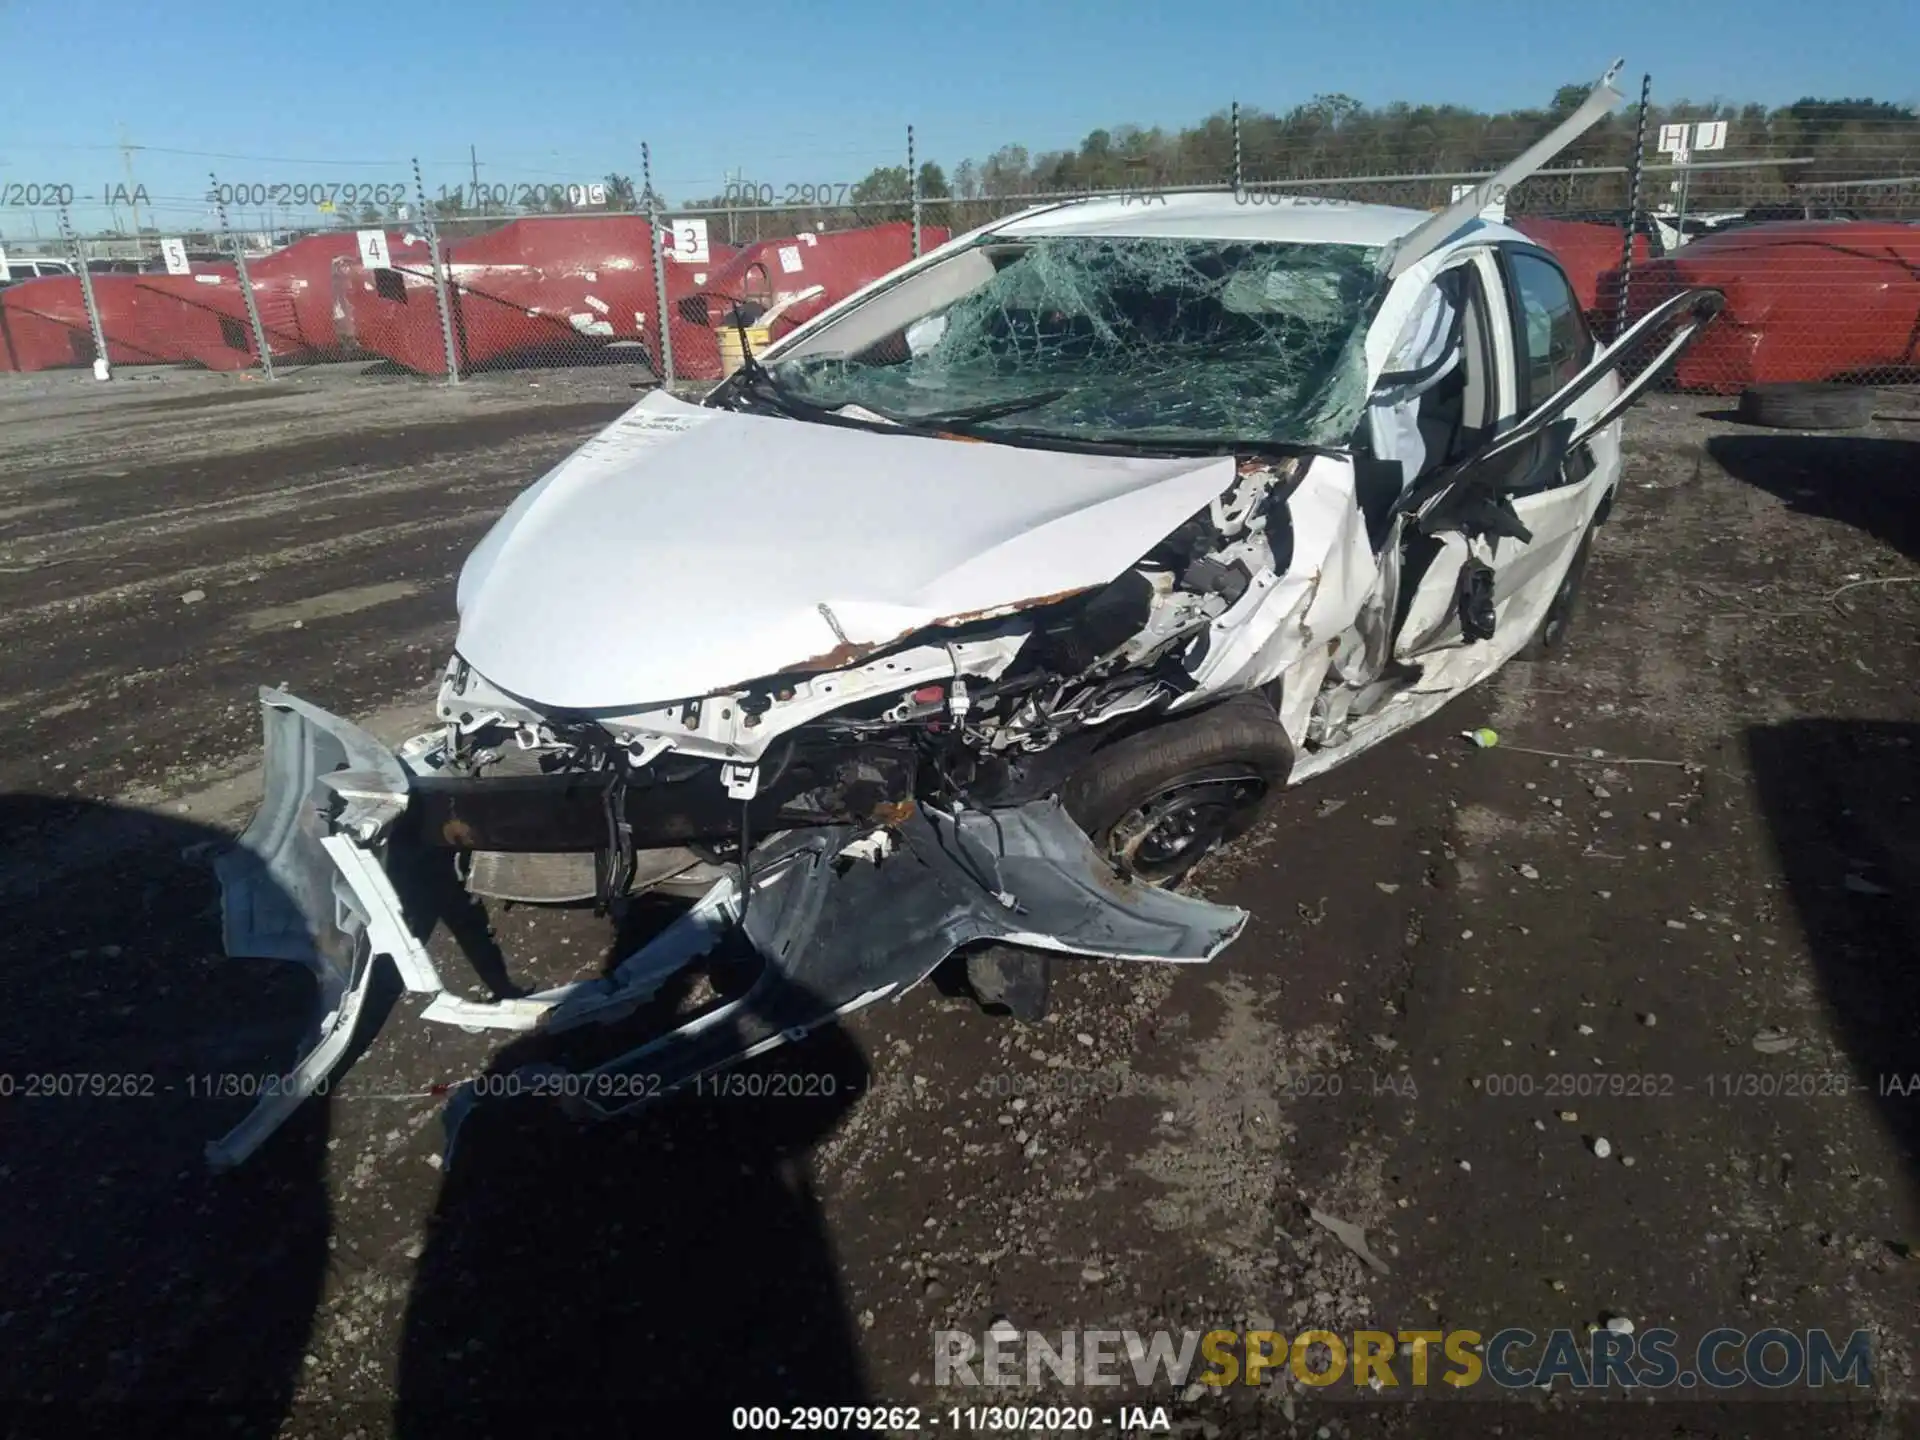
column 742, row 546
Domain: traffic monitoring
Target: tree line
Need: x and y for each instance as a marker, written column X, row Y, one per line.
column 1335, row 138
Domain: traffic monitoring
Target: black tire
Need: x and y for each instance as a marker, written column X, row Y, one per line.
column 1235, row 753
column 1232, row 757
column 1806, row 406
column 1548, row 640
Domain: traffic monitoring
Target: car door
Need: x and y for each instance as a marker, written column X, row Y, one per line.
column 1488, row 540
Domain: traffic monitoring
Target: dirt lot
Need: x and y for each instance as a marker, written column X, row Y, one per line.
column 1460, row 961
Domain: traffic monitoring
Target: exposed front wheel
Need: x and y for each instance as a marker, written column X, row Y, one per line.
column 1155, row 803
column 1159, row 800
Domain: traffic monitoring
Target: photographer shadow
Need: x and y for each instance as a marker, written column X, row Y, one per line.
column 145, row 1295
column 662, row 1266
column 1840, row 798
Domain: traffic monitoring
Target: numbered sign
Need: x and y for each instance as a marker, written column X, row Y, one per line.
column 688, row 242
column 373, row 249
column 174, row 252
column 790, row 261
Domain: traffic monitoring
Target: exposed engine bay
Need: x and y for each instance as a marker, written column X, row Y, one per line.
column 990, row 713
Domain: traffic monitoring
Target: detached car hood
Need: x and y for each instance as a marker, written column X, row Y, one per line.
column 684, row 550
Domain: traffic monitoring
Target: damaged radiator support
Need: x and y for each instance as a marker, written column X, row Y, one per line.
column 871, row 783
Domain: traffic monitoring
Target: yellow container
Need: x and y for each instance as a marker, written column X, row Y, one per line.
column 731, row 357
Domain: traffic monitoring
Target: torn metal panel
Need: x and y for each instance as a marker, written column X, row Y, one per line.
column 1333, row 569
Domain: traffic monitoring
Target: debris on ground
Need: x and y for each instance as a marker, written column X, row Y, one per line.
column 1349, row 1235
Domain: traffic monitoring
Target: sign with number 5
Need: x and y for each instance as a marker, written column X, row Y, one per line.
column 690, row 242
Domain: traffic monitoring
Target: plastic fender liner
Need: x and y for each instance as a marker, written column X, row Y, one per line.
column 836, row 933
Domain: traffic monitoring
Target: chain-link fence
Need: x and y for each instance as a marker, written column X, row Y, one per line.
column 1805, row 216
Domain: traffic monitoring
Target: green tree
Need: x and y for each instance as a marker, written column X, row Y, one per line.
column 620, row 194
column 1568, row 98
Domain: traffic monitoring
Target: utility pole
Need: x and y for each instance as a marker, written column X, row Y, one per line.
column 733, row 181
column 473, row 157
column 127, row 148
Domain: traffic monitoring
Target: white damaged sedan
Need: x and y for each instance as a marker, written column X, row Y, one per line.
column 965, row 619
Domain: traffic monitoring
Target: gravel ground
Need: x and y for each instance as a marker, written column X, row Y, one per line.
column 1674, row 910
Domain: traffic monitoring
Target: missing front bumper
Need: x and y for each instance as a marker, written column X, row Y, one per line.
column 840, row 916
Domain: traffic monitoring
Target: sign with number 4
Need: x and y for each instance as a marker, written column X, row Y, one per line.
column 689, row 242
column 373, row 249
column 174, row 252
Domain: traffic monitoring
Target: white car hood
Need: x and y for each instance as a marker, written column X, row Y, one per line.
column 684, row 550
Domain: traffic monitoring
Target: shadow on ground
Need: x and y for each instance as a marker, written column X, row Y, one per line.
column 656, row 1269
column 1842, row 800
column 143, row 1295
column 1870, row 483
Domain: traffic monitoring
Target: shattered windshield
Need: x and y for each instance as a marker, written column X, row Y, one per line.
column 1109, row 338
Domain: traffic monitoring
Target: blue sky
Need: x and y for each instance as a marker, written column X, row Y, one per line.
column 785, row 93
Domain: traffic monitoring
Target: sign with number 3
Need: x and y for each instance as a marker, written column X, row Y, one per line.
column 690, row 242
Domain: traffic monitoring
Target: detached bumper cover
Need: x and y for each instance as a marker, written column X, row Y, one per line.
column 840, row 917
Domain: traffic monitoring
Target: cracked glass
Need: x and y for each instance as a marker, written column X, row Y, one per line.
column 1115, row 339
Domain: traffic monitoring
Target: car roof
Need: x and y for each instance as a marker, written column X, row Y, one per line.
column 1219, row 215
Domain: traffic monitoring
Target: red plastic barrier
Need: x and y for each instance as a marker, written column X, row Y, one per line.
column 197, row 319
column 43, row 324
column 547, row 291
column 294, row 289
column 772, row 271
column 1806, row 300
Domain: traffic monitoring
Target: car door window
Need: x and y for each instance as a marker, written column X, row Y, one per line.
column 1551, row 335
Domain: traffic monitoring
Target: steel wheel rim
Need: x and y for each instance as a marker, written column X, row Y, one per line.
column 1162, row 838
